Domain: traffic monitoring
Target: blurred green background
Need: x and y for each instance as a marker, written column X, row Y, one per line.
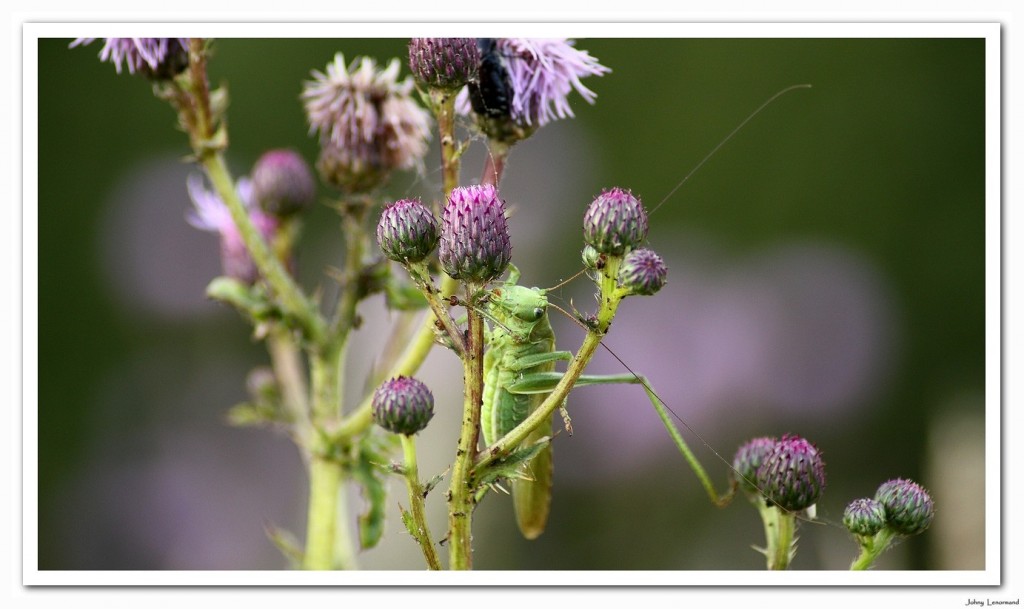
column 826, row 279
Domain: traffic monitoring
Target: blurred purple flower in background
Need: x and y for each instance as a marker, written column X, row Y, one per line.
column 137, row 53
column 211, row 214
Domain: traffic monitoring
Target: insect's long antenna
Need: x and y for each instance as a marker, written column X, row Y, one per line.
column 570, row 316
column 552, row 288
column 725, row 140
column 693, row 431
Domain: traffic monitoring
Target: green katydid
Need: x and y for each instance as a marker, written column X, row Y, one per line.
column 518, row 372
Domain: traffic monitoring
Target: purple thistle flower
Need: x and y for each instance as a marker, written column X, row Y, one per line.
column 642, row 272
column 748, row 459
column 367, row 122
column 615, row 222
column 541, row 73
column 792, row 475
column 475, row 245
column 154, row 57
column 407, row 231
column 212, row 215
column 403, row 405
column 909, row 509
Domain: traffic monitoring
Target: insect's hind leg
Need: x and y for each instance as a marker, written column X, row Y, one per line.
column 544, row 382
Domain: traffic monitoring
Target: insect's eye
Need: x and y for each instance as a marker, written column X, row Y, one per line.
column 538, row 313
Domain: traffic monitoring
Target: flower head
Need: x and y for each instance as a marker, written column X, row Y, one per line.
column 282, row 183
column 403, row 405
column 792, row 475
column 864, row 517
column 211, row 214
column 642, row 272
column 615, row 222
column 444, row 63
column 909, row 509
column 367, row 122
column 542, row 72
column 407, row 231
column 475, row 245
column 161, row 58
column 747, row 461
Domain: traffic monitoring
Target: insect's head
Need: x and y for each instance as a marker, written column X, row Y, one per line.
column 518, row 305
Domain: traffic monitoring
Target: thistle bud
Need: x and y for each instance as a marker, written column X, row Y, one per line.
column 748, row 459
column 407, row 231
column 475, row 245
column 403, row 405
column 909, row 509
column 864, row 517
column 615, row 222
column 282, row 183
column 591, row 257
column 444, row 63
column 792, row 475
column 642, row 272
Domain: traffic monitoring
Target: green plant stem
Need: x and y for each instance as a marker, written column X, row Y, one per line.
column 462, row 492
column 321, row 530
column 779, row 529
column 871, row 548
column 208, row 141
column 287, row 364
column 443, row 103
column 412, row 481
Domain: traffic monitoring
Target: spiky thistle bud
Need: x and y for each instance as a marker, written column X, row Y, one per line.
column 747, row 460
column 642, row 272
column 792, row 475
column 909, row 509
column 403, row 405
column 591, row 257
column 282, row 183
column 615, row 222
column 475, row 245
column 444, row 63
column 864, row 517
column 407, row 231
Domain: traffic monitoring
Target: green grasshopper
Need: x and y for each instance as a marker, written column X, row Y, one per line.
column 519, row 371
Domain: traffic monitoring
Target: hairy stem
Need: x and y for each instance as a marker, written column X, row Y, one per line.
column 871, row 548
column 412, row 481
column 461, row 493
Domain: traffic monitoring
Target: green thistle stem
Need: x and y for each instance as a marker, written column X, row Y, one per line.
column 321, row 531
column 871, row 548
column 412, row 482
column 461, row 493
column 779, row 530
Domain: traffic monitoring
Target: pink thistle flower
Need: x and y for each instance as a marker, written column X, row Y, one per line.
column 155, row 57
column 212, row 215
column 367, row 121
column 542, row 72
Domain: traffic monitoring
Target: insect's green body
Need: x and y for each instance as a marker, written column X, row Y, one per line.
column 520, row 343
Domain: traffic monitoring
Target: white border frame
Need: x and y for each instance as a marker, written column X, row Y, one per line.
column 31, row 576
